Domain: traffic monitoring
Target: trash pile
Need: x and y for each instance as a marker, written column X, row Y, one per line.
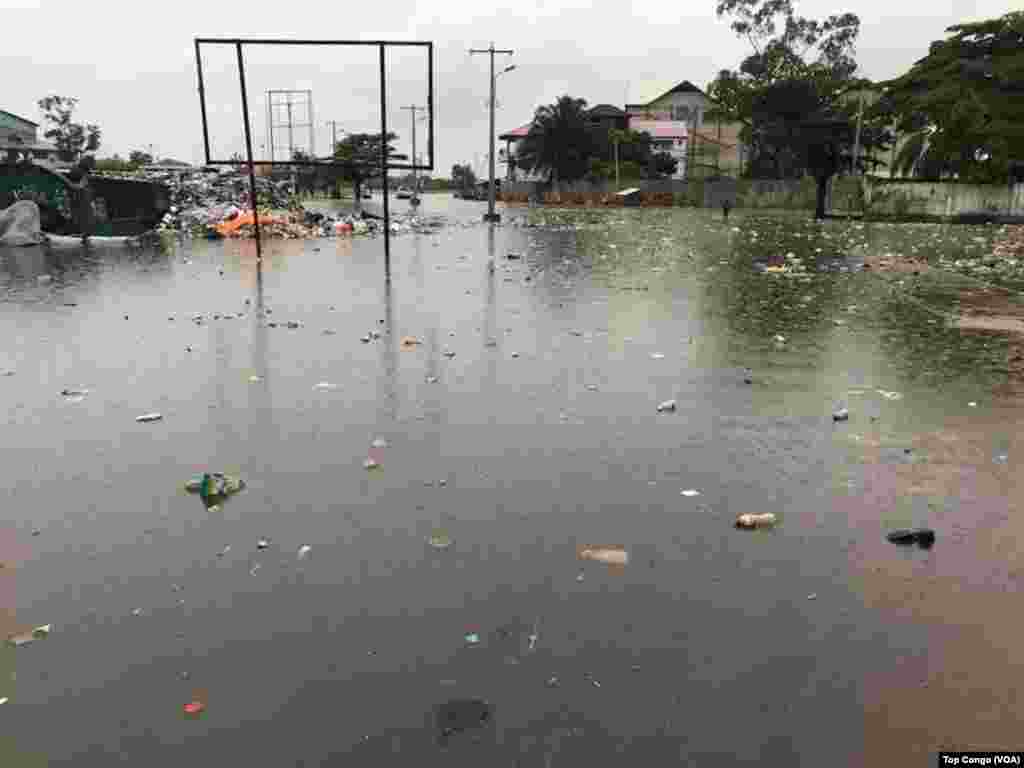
column 1011, row 244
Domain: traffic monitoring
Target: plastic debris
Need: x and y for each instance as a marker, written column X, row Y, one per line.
column 552, row 682
column 657, row 356
column 841, row 415
column 224, row 551
column 136, row 611
column 972, row 405
column 765, row 520
column 690, row 492
column 74, row 393
column 25, row 638
column 669, row 406
column 325, row 385
column 449, row 353
column 923, row 537
column 194, row 708
column 4, row 700
column 149, row 417
column 213, row 485
column 379, row 443
column 371, row 463
column 580, row 576
column 304, row 550
column 613, row 555
column 262, row 543
column 890, row 395
column 255, row 379
column 472, row 638
column 440, row 539
column 408, row 342
column 43, row 279
column 592, row 387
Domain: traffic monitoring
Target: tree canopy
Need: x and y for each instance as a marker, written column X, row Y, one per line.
column 962, row 105
column 70, row 138
column 793, row 93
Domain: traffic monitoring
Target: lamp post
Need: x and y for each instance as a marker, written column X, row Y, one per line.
column 491, row 215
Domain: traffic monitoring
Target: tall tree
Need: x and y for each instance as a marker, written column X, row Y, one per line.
column 463, row 177
column 138, row 157
column 792, row 93
column 71, row 138
column 962, row 105
column 361, row 153
column 558, row 143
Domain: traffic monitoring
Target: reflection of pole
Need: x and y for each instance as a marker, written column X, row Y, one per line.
column 248, row 149
column 617, row 185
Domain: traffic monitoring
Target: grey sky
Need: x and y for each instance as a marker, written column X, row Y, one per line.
column 133, row 68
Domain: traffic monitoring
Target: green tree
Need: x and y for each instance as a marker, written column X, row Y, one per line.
column 558, row 143
column 792, row 93
column 360, row 154
column 962, row 105
column 70, row 138
column 463, row 177
column 139, row 158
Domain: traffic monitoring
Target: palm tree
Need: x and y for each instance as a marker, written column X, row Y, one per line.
column 559, row 143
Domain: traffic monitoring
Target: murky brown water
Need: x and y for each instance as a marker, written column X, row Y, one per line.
column 703, row 648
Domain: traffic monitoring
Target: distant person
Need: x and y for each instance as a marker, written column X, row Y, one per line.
column 725, row 209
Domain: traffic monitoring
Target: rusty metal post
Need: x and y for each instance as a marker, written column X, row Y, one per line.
column 384, row 164
column 248, row 149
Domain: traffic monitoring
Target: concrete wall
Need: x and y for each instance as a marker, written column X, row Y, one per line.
column 884, row 197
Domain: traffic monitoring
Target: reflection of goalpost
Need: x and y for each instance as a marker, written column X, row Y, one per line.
column 385, row 164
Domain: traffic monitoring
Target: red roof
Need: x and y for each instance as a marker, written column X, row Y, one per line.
column 518, row 133
column 660, row 129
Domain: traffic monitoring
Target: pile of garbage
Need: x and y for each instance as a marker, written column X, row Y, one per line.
column 1011, row 244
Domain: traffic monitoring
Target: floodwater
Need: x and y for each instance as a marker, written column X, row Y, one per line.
column 814, row 643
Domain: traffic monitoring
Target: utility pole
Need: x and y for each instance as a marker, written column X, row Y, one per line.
column 491, row 215
column 856, row 141
column 415, row 177
column 334, row 135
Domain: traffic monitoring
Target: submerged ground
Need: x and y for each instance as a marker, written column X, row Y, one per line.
column 812, row 643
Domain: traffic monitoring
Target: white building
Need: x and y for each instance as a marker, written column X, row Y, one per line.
column 19, row 141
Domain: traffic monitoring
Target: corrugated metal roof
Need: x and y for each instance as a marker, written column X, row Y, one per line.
column 18, row 117
column 647, row 91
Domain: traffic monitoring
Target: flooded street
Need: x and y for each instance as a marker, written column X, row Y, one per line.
column 522, row 428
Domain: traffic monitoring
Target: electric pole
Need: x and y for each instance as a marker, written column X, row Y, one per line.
column 491, row 215
column 334, row 135
column 415, row 177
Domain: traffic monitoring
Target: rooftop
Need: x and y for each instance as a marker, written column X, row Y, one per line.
column 19, row 119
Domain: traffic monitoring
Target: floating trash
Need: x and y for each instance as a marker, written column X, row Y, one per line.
column 224, row 551
column 972, row 404
column 213, row 485
column 657, row 356
column 841, row 415
column 262, row 543
column 304, row 550
column 408, row 342
column 812, row 596
column 324, row 385
column 371, row 463
column 379, row 442
column 592, row 387
column 4, row 700
column 74, row 393
column 146, row 417
column 610, row 555
column 890, row 395
column 923, row 537
column 449, row 353
column 194, row 708
column 255, row 379
column 690, row 492
column 669, row 406
column 472, row 638
column 25, row 638
column 765, row 520
column 440, row 539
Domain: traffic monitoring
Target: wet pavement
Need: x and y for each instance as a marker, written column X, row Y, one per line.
column 520, row 431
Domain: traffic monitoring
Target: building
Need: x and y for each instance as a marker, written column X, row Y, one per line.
column 19, row 141
column 713, row 145
column 669, row 136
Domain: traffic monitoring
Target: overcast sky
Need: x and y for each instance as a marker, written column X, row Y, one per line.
column 133, row 66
